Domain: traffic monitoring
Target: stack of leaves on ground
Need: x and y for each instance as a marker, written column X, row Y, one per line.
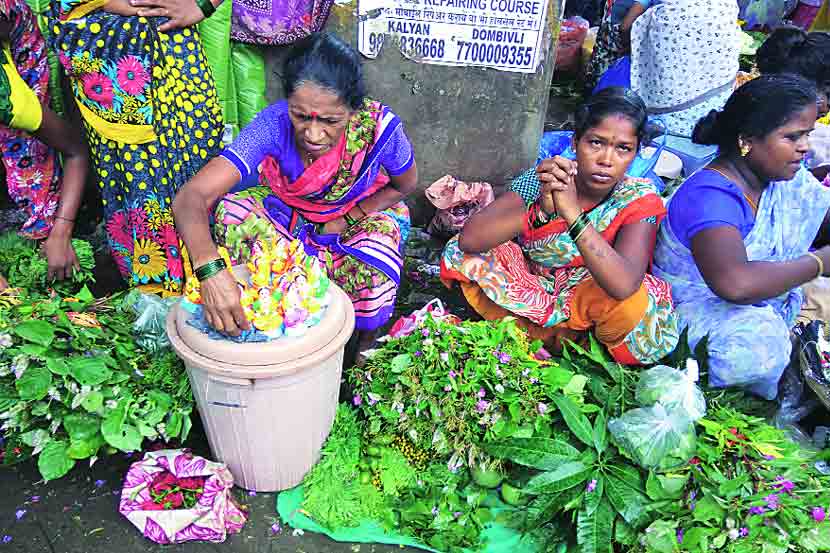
column 73, row 383
column 471, row 410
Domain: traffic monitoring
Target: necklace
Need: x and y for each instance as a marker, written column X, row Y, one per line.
column 749, row 200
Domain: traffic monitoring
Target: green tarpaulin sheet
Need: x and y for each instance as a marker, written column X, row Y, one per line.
column 496, row 538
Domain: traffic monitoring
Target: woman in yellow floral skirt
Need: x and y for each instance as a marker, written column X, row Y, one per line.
column 152, row 119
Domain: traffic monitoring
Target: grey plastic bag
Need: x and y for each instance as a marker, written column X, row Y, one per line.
column 149, row 327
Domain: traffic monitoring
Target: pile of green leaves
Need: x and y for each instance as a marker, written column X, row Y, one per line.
column 449, row 388
column 334, row 495
column 580, row 475
column 490, row 415
column 24, row 267
column 73, row 383
column 444, row 509
column 749, row 489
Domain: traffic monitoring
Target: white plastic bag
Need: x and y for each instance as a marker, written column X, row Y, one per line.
column 655, row 438
column 676, row 390
column 149, row 328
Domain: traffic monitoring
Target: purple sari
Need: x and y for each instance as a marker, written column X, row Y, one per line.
column 277, row 22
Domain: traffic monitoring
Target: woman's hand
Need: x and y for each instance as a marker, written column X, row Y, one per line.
column 220, row 300
column 3, row 283
column 180, row 13
column 335, row 226
column 120, row 7
column 558, row 194
column 60, row 256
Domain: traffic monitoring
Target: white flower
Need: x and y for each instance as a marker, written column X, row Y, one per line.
column 500, row 388
column 445, row 357
column 6, row 341
column 111, row 404
column 19, row 365
column 374, row 397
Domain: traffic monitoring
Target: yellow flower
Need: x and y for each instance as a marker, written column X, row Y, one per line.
column 152, row 206
column 149, row 261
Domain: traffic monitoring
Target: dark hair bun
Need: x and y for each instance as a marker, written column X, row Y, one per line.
column 775, row 54
column 707, row 130
column 755, row 110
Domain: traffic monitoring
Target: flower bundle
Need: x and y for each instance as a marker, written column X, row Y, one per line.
column 287, row 291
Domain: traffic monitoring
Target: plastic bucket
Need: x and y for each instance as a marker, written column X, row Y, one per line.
column 267, row 407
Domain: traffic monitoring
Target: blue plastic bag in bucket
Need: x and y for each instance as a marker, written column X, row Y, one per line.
column 558, row 143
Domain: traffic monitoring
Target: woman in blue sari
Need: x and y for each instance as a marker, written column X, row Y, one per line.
column 735, row 246
column 334, row 168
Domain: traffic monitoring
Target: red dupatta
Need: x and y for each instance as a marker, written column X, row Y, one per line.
column 336, row 182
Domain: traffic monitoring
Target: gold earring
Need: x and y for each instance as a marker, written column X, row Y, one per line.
column 745, row 148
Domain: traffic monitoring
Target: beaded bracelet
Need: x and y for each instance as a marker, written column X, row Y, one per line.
column 209, row 269
column 207, row 8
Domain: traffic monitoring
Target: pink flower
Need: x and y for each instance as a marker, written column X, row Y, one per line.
column 65, row 62
column 151, row 505
column 118, row 230
column 783, row 485
column 481, row 392
column 132, row 76
column 174, row 500
column 98, row 88
column 818, row 514
column 164, row 481
column 357, row 400
column 592, row 485
column 542, row 408
column 171, row 246
column 138, row 222
column 192, row 483
column 772, row 501
column 482, row 405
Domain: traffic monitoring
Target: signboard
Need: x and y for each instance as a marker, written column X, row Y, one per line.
column 501, row 34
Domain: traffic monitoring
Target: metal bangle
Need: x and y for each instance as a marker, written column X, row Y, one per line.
column 578, row 226
column 209, row 269
column 820, row 263
column 207, row 7
column 582, row 231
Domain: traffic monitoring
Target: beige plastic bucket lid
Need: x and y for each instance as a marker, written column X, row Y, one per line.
column 280, row 357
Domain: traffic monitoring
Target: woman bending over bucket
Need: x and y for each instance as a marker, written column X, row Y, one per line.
column 334, row 167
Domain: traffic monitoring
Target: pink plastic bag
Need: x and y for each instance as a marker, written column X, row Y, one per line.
column 410, row 323
column 456, row 201
column 572, row 34
column 214, row 515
